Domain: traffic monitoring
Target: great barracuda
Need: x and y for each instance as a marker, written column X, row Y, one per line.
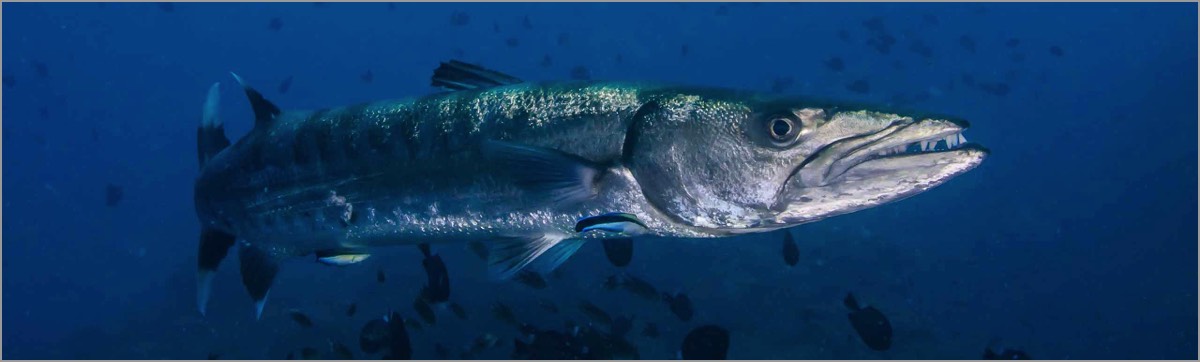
column 535, row 169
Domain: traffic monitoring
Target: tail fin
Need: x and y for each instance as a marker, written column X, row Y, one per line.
column 210, row 137
column 214, row 244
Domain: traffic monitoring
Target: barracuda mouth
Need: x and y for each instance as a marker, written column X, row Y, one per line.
column 948, row 143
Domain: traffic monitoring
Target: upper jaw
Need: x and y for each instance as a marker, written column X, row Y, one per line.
column 927, row 136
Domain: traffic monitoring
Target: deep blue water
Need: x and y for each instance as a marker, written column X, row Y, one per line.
column 1075, row 239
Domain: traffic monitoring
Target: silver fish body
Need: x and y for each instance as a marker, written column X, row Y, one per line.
column 519, row 165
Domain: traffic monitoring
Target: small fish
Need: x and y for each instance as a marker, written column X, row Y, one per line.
column 640, row 288
column 10, row 81
column 843, row 35
column 531, row 279
column 581, row 73
column 380, row 276
column 166, row 7
column 619, row 251
column 285, row 85
column 968, row 79
column 967, row 43
column 594, row 313
column 512, row 42
column 399, row 346
column 526, row 23
column 835, row 64
column 367, row 77
column 340, row 257
column 340, row 350
column 458, row 310
column 721, row 10
column 791, row 253
column 680, row 305
column 1017, row 57
column 859, row 86
column 275, row 24
column 563, row 39
column 113, row 195
column 41, row 69
column 930, row 19
column 1012, row 42
column 1056, row 51
column 548, row 306
column 496, row 28
column 547, row 61
column 459, row 18
column 351, row 309
column 425, row 311
column 1009, row 354
column 684, row 50
column 300, row 318
column 651, row 330
column 437, row 286
column 872, row 326
column 504, row 314
column 618, row 59
column 612, row 222
column 919, row 47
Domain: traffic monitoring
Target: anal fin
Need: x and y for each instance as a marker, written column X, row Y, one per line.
column 540, row 252
column 258, row 274
column 214, row 246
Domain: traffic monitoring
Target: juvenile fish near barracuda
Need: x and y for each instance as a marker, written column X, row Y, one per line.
column 517, row 166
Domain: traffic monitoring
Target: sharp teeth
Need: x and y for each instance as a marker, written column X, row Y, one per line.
column 927, row 146
column 951, row 141
column 961, row 139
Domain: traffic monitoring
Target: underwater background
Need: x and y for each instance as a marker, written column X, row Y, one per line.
column 1075, row 239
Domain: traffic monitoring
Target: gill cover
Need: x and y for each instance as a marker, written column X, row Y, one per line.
column 709, row 162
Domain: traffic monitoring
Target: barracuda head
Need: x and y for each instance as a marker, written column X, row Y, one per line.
column 727, row 163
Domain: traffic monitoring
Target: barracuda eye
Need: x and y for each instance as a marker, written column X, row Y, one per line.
column 782, row 129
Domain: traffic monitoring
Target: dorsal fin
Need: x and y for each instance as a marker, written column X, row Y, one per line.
column 264, row 110
column 457, row 75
